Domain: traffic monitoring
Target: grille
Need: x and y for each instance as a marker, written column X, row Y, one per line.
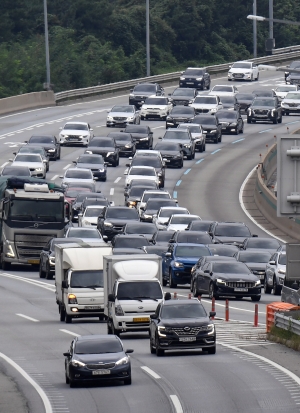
column 30, row 246
column 295, row 81
column 73, row 137
column 261, row 111
column 238, row 75
column 180, row 102
column 202, row 110
column 243, row 284
column 293, row 105
column 180, row 331
column 100, row 366
column 118, row 227
column 118, row 118
column 138, row 325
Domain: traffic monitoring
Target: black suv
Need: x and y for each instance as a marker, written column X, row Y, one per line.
column 182, row 96
column 211, row 126
column 124, row 142
column 180, row 114
column 106, row 147
column 49, row 143
column 171, row 152
column 141, row 91
column 229, row 233
column 195, row 77
column 181, row 325
column 231, row 121
column 265, row 109
column 113, row 220
column 293, row 65
column 141, row 134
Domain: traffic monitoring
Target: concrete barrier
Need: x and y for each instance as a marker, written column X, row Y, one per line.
column 27, row 101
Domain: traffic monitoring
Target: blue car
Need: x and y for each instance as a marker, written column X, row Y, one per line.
column 178, row 261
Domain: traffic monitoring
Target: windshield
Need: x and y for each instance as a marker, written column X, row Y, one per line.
column 81, row 196
column 87, row 186
column 76, row 126
column 210, row 120
column 147, row 161
column 122, row 137
column 183, row 220
column 78, row 173
column 183, row 92
column 286, row 88
column 260, row 257
column 166, row 213
column 232, row 231
column 191, row 251
column 136, row 191
column 208, row 100
column 187, row 237
column 282, row 259
column 163, row 236
column 140, row 228
column 199, row 226
column 86, row 279
column 291, row 95
column 223, row 250
column 263, row 93
column 105, row 143
column 241, row 65
column 263, row 243
column 244, row 96
column 182, row 110
column 142, row 171
column 93, row 212
column 83, row 233
column 125, row 109
column 139, row 290
column 156, row 204
column 183, row 311
column 165, row 146
column 230, row 268
column 136, row 129
column 145, row 88
column 98, row 346
column 155, row 195
column 194, row 72
column 122, row 213
column 128, row 242
column 41, row 139
column 195, row 129
column 263, row 102
column 179, row 135
column 222, row 89
column 90, row 159
column 27, row 158
column 227, row 116
column 18, row 171
column 37, row 210
column 156, row 101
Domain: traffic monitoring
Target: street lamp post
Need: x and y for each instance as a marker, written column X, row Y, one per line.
column 262, row 19
column 48, row 85
column 147, row 38
column 254, row 31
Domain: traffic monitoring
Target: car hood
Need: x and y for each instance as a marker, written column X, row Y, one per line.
column 187, row 260
column 100, row 148
column 160, row 107
column 96, row 358
column 43, row 145
column 228, row 121
column 169, row 153
column 262, row 107
column 297, row 101
column 236, row 277
column 123, row 143
column 131, row 177
column 240, row 70
column 90, row 180
column 74, row 132
column 121, row 114
column 133, row 198
column 147, row 236
column 209, row 127
column 123, row 221
column 91, row 240
column 28, row 164
column 182, row 97
column 177, row 227
column 184, row 322
column 90, row 166
column 219, row 93
column 181, row 116
column 188, row 142
column 245, row 102
column 92, row 220
column 229, row 240
column 256, row 266
column 203, row 105
column 229, row 106
column 136, row 135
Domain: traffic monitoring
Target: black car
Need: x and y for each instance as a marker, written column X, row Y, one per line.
column 265, row 244
column 265, row 109
column 97, row 357
column 195, row 77
column 265, row 93
column 223, row 250
column 133, row 196
column 182, row 96
column 153, row 205
column 193, row 237
column 136, row 241
column 199, row 225
column 293, row 65
column 15, row 171
column 181, row 325
column 49, row 142
column 142, row 136
column 229, row 233
column 141, row 91
column 256, row 260
column 182, row 137
column 106, row 147
column 231, row 121
column 230, row 102
column 155, row 161
column 77, row 203
column 140, row 182
column 113, row 220
column 172, row 153
column 124, row 142
column 244, row 100
column 147, row 229
column 211, row 127
column 227, row 278
column 93, row 162
column 162, row 238
column 35, row 149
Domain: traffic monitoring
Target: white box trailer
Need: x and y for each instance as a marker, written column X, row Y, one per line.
column 132, row 291
column 79, row 280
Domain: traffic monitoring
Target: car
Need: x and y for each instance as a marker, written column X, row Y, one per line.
column 77, row 175
column 152, row 206
column 89, row 217
column 263, row 92
column 32, row 161
column 154, row 161
column 207, row 104
column 152, row 193
column 220, row 90
column 88, row 235
column 293, row 65
column 232, row 233
column 179, row 222
column 265, row 109
column 141, row 135
column 282, row 90
column 182, row 96
column 293, row 78
column 113, row 219
column 197, row 134
column 256, row 260
column 190, row 237
column 78, row 201
column 156, row 107
column 70, row 194
column 163, row 215
column 172, row 153
column 154, row 249
column 95, row 201
column 178, row 261
column 134, row 195
column 124, row 142
column 136, row 241
column 230, row 102
column 97, row 357
column 127, row 251
column 35, row 149
column 275, row 273
column 244, row 101
column 121, row 115
column 75, row 133
column 141, row 91
column 182, row 137
column 161, row 238
column 93, row 162
column 10, row 170
column 195, row 77
column 231, row 121
column 291, row 103
column 199, row 225
column 243, row 70
column 141, row 172
column 265, row 244
column 223, row 250
column 180, row 114
column 88, row 186
column 211, row 127
column 106, row 147
column 147, row 183
column 228, row 278
column 49, row 142
column 146, row 229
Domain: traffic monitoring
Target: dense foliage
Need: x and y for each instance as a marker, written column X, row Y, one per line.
column 101, row 41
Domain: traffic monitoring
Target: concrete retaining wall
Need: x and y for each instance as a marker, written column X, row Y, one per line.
column 27, row 101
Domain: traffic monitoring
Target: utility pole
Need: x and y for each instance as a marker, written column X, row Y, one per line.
column 254, row 31
column 147, row 37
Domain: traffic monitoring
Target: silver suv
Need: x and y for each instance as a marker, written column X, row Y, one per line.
column 275, row 273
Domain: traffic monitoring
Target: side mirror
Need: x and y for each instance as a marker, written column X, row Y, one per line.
column 153, row 316
column 130, row 90
column 168, row 254
column 68, row 354
column 129, row 351
column 212, row 314
column 142, row 208
column 61, row 177
column 130, row 158
column 206, row 271
column 254, row 235
column 91, row 130
column 14, row 153
column 26, row 141
column 126, row 173
column 80, row 214
column 64, row 284
column 45, row 160
column 105, row 163
column 11, row 160
column 60, row 128
column 272, row 263
column 128, row 165
column 111, row 298
column 171, row 241
column 104, row 237
column 74, row 162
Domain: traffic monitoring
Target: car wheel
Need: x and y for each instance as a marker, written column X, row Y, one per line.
column 48, row 274
column 267, row 288
column 181, row 165
column 67, row 379
column 236, row 132
column 242, row 129
column 200, row 148
column 211, row 292
column 220, row 137
column 249, row 120
column 164, row 282
column 189, row 157
column 127, row 381
column 68, row 319
column 280, row 119
column 152, row 349
column 159, row 352
column 216, row 140
column 276, row 287
column 115, row 331
column 109, row 329
column 196, row 293
column 72, row 384
column 256, row 298
column 42, row 274
column 251, row 80
column 62, row 312
column 172, row 284
column 275, row 121
column 142, row 118
column 211, row 350
column 287, row 113
column 257, row 77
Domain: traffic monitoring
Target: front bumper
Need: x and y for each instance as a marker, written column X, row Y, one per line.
column 232, row 292
column 182, row 275
column 240, row 76
column 120, row 122
column 229, row 129
column 130, row 323
column 81, row 311
column 142, row 144
column 197, row 84
column 83, row 373
column 210, row 136
column 172, row 342
column 175, row 162
column 74, row 140
column 99, row 175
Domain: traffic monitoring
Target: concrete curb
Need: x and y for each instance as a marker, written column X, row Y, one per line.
column 27, row 101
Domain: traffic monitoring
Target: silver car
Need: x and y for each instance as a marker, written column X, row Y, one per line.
column 291, row 103
column 77, row 175
column 275, row 273
column 34, row 162
column 122, row 116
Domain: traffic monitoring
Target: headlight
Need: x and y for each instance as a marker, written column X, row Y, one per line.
column 249, row 111
column 283, row 104
column 186, row 145
column 273, row 111
column 124, row 360
column 52, row 260
column 161, row 331
column 101, row 170
column 132, row 203
column 220, row 281
column 213, row 131
column 10, row 252
column 182, row 78
column 169, row 118
column 39, row 169
column 199, row 78
column 128, row 146
column 51, row 150
column 77, row 363
column 64, row 136
column 108, row 224
column 119, row 310
column 178, row 264
column 190, row 101
column 144, row 139
column 213, row 110
column 109, row 118
column 257, row 283
column 233, row 124
column 281, row 271
column 130, row 118
column 72, row 299
column 131, row 95
column 147, row 216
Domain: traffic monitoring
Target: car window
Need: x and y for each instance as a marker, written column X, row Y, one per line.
column 102, row 346
column 177, row 311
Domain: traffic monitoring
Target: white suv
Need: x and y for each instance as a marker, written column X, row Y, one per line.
column 243, row 71
column 157, row 107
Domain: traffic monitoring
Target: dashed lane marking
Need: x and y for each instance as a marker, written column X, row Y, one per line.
column 118, row 179
column 217, row 150
column 67, row 166
column 112, row 191
column 151, row 372
column 178, row 182
column 69, row 332
column 239, row 140
column 265, row 130
column 176, row 403
column 174, row 194
column 28, row 318
column 187, row 171
column 200, row 160
column 54, row 177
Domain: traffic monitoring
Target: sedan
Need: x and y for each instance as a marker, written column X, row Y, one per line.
column 77, row 175
column 179, row 222
column 182, row 96
column 291, row 103
column 220, row 90
column 182, row 137
column 156, row 107
column 141, row 135
column 124, row 142
column 266, row 244
column 34, row 162
column 75, row 133
column 89, row 217
column 141, row 172
column 88, row 235
column 190, row 237
column 141, row 228
column 97, row 357
column 122, row 115
column 152, row 206
column 163, row 215
column 180, row 114
column 244, row 101
column 106, row 147
column 172, row 153
column 49, row 142
column 229, row 233
column 206, row 104
column 211, row 127
column 231, row 121
column 275, row 273
column 35, row 149
column 256, row 260
column 95, row 163
column 154, row 161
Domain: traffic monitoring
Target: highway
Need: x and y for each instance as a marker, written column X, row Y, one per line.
column 233, row 380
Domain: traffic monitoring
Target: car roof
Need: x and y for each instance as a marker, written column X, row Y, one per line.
column 182, row 302
column 129, row 236
column 96, row 337
column 78, row 169
column 189, row 244
column 185, row 215
column 142, row 166
column 76, row 123
column 218, row 258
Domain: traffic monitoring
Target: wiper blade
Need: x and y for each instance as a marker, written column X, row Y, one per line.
column 93, row 286
column 147, row 298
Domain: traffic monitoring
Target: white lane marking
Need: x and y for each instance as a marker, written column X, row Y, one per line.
column 54, row 177
column 239, row 140
column 112, row 190
column 176, row 403
column 158, row 127
column 151, row 372
column 37, row 283
column 69, row 332
column 5, row 163
column 40, row 391
column 247, row 213
column 67, row 166
column 265, row 130
column 28, row 318
column 118, row 179
column 217, row 150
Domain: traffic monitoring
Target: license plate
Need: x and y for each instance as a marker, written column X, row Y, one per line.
column 74, row 139
column 189, row 83
column 141, row 319
column 187, row 338
column 241, row 289
column 36, row 262
column 167, row 160
column 92, row 307
column 100, row 372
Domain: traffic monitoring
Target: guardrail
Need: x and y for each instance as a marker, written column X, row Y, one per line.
column 286, row 49
column 288, row 323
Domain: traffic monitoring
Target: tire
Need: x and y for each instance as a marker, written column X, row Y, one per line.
column 62, row 313
column 171, row 282
column 48, row 274
column 67, row 379
column 216, row 140
column 181, row 165
column 152, row 349
column 275, row 121
column 242, row 130
column 211, row 350
column 42, row 274
column 190, row 157
column 236, row 131
column 68, row 319
column 256, row 298
column 72, row 384
column 195, row 291
column 267, row 288
column 220, row 138
column 127, row 381
column 287, row 113
column 109, row 329
column 159, row 352
column 276, row 288
column 115, row 331
column 257, row 78
column 248, row 120
column 251, row 80
column 211, row 292
column 164, row 282
column 280, row 119
column 142, row 117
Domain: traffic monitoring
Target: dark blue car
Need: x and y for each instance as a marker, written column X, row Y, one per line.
column 178, row 261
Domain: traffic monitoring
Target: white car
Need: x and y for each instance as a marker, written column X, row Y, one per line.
column 141, row 172
column 156, row 107
column 151, row 194
column 197, row 133
column 207, row 104
column 221, row 90
column 90, row 216
column 77, row 175
column 75, row 133
column 282, row 90
column 122, row 115
column 243, row 71
column 164, row 213
column 32, row 161
column 291, row 103
column 179, row 222
column 89, row 235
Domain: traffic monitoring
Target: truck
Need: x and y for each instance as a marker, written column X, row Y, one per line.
column 132, row 291
column 30, row 215
column 79, row 280
column 290, row 292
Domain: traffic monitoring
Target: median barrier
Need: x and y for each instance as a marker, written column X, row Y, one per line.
column 27, row 101
column 274, row 307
